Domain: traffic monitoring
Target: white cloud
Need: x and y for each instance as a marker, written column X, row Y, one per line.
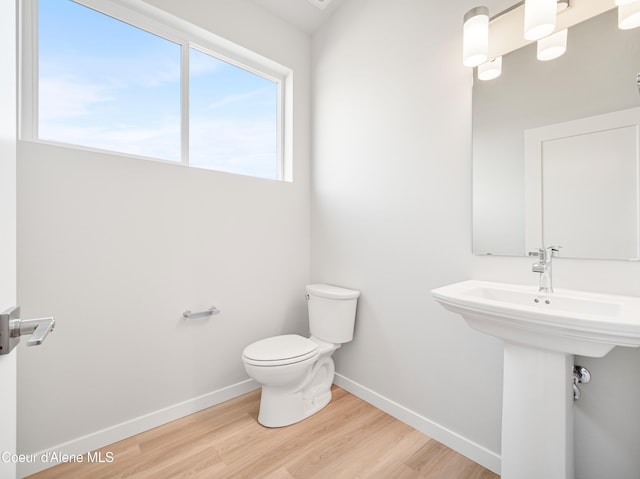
column 162, row 141
column 68, row 114
column 146, row 72
column 68, row 105
column 235, row 98
column 66, row 97
column 234, row 146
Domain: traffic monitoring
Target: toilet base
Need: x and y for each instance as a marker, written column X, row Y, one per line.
column 280, row 407
column 279, row 411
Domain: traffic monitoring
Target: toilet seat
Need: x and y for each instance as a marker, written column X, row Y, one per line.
column 280, row 350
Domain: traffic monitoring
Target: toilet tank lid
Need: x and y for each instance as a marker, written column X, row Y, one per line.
column 333, row 292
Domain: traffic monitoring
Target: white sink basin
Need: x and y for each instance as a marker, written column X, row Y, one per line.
column 573, row 322
column 540, row 340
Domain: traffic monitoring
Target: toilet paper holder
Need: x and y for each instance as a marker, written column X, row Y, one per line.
column 201, row 314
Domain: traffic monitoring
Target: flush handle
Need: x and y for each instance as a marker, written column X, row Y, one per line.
column 12, row 327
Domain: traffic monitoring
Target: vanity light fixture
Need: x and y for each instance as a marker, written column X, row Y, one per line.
column 475, row 40
column 490, row 70
column 552, row 46
column 539, row 18
column 628, row 14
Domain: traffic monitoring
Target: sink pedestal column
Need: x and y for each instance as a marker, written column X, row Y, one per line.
column 537, row 414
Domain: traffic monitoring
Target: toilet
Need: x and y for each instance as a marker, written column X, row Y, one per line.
column 296, row 373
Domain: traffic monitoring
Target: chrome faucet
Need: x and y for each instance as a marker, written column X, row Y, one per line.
column 543, row 266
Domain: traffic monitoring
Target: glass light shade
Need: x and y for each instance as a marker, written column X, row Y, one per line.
column 475, row 40
column 552, row 46
column 490, row 70
column 629, row 15
column 539, row 18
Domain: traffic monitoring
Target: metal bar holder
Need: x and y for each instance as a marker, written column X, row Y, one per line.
column 12, row 327
column 209, row 312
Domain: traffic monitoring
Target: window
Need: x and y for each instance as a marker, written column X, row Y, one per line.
column 106, row 84
column 142, row 83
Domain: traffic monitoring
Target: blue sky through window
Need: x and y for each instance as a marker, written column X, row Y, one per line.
column 233, row 118
column 109, row 85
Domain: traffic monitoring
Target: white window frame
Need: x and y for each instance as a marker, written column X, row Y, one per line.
column 163, row 24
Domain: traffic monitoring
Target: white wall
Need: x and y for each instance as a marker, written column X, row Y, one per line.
column 391, row 216
column 391, row 207
column 117, row 248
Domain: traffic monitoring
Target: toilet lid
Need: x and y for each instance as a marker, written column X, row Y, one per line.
column 285, row 349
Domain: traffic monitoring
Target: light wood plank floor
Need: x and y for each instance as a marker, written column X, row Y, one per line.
column 347, row 439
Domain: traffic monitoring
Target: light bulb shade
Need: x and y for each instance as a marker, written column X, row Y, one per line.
column 539, row 18
column 475, row 39
column 490, row 70
column 629, row 15
column 552, row 46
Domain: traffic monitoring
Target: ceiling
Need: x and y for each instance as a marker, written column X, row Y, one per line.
column 307, row 15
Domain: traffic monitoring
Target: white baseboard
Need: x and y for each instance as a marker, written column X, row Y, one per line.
column 99, row 439
column 458, row 443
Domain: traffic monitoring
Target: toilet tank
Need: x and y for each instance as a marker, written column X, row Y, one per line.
column 332, row 312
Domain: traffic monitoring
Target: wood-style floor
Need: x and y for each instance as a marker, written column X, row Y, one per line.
column 347, row 439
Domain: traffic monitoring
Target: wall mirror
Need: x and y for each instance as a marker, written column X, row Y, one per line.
column 555, row 148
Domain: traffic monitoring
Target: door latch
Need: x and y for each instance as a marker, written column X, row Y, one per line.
column 12, row 327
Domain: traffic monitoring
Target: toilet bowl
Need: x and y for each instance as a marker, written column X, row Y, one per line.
column 296, row 373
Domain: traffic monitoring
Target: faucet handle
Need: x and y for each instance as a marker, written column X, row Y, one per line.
column 554, row 250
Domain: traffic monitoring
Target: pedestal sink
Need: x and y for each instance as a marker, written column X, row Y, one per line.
column 541, row 335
